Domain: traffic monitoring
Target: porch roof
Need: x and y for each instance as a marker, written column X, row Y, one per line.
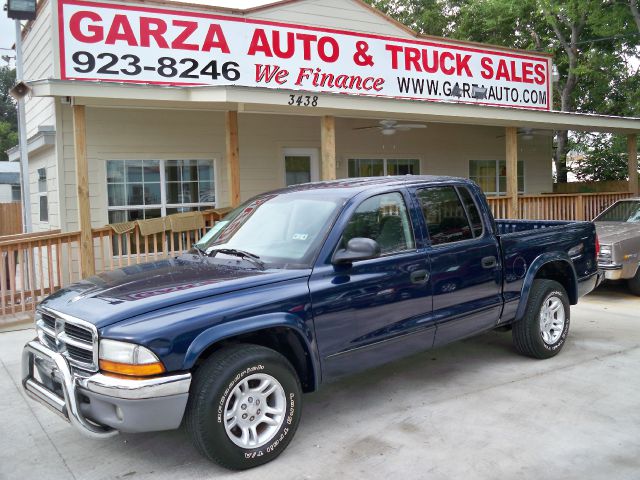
column 264, row 100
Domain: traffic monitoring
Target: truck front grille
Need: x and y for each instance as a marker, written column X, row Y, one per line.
column 75, row 339
column 78, row 333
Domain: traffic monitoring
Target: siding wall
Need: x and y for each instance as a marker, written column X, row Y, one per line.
column 444, row 149
column 45, row 158
column 175, row 134
column 339, row 14
column 38, row 64
column 121, row 134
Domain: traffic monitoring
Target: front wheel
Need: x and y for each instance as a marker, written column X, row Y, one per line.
column 543, row 330
column 244, row 406
column 634, row 283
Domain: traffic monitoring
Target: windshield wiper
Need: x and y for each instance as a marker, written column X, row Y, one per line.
column 251, row 257
column 197, row 248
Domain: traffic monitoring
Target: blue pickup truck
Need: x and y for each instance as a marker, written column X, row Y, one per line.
column 293, row 289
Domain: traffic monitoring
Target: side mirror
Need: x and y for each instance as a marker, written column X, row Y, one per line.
column 358, row 248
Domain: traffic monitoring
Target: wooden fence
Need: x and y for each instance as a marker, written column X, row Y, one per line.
column 35, row 265
column 585, row 206
column 10, row 218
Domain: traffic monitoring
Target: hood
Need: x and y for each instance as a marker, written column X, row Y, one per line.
column 612, row 232
column 114, row 296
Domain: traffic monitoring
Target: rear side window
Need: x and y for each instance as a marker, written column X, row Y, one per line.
column 472, row 211
column 446, row 216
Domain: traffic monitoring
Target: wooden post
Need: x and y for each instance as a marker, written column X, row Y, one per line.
column 632, row 149
column 512, row 171
column 328, row 141
column 87, row 260
column 580, row 213
column 233, row 157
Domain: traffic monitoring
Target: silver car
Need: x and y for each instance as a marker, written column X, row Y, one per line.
column 618, row 229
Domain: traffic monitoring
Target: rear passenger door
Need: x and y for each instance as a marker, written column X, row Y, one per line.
column 466, row 273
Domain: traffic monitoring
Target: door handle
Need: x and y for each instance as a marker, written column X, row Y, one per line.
column 420, row 277
column 489, row 262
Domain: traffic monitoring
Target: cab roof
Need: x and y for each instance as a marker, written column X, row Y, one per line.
column 352, row 186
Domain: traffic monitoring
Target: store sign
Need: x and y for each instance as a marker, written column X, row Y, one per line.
column 127, row 43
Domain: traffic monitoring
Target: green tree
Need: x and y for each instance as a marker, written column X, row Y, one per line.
column 599, row 157
column 8, row 138
column 591, row 42
column 8, row 114
column 633, row 4
column 592, row 38
column 428, row 17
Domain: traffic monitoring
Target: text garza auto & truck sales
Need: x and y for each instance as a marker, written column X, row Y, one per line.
column 126, row 43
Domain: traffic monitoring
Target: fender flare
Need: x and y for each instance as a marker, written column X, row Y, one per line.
column 532, row 272
column 227, row 330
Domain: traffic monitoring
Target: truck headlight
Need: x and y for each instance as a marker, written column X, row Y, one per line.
column 130, row 359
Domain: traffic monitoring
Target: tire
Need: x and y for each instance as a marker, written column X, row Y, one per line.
column 543, row 337
column 634, row 283
column 223, row 393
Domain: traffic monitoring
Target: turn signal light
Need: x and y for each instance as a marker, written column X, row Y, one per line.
column 128, row 369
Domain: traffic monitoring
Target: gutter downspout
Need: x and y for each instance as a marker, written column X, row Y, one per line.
column 22, row 139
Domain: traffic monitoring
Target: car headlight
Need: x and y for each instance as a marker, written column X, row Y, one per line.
column 126, row 358
column 605, row 251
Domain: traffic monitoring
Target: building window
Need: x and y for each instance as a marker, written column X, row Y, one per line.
column 141, row 189
column 491, row 175
column 16, row 195
column 42, row 193
column 377, row 167
column 301, row 165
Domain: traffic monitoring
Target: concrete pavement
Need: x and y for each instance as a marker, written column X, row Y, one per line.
column 473, row 410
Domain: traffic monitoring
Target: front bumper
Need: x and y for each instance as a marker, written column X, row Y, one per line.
column 99, row 405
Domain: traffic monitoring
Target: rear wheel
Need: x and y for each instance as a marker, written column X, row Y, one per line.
column 543, row 330
column 634, row 283
column 244, row 406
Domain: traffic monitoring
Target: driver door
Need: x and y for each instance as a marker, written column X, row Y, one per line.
column 372, row 311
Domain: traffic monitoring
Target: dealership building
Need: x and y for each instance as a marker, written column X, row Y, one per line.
column 140, row 109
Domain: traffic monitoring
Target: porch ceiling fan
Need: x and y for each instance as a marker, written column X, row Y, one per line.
column 529, row 133
column 390, row 127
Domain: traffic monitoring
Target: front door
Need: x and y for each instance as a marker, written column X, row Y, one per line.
column 301, row 165
column 373, row 311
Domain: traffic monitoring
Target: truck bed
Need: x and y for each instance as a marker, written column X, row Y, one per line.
column 525, row 241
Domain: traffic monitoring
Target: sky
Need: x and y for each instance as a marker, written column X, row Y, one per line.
column 7, row 35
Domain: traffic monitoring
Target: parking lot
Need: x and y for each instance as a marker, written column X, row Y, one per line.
column 471, row 410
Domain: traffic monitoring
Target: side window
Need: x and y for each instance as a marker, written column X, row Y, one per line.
column 445, row 215
column 472, row 211
column 384, row 219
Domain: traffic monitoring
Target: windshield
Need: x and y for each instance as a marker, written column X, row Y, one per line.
column 284, row 230
column 625, row 211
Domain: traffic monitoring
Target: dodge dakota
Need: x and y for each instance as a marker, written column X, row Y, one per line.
column 291, row 290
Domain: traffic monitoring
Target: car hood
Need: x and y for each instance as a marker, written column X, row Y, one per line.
column 612, row 232
column 114, row 296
